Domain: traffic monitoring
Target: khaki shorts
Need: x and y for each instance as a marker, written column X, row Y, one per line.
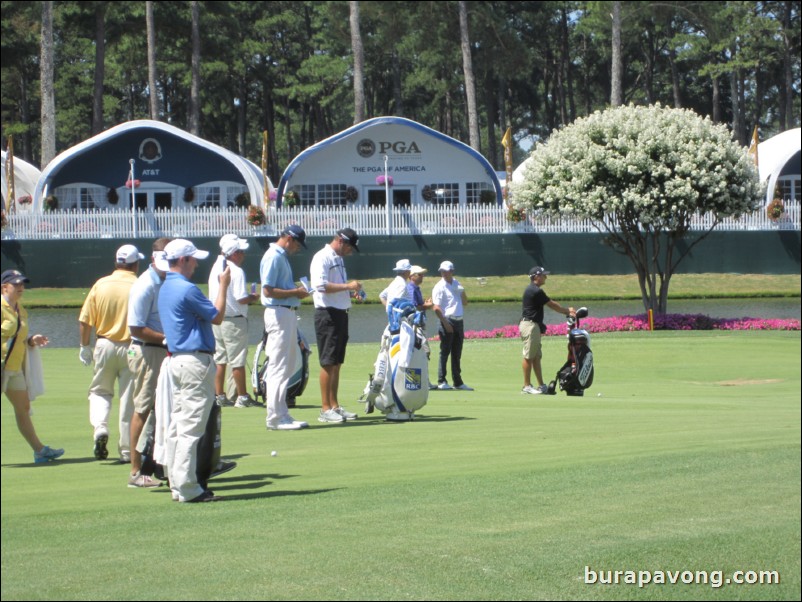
column 13, row 380
column 530, row 335
column 231, row 342
column 145, row 363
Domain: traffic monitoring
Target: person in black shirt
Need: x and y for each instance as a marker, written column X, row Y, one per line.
column 532, row 327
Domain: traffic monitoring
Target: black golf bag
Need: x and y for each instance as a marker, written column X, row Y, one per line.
column 300, row 374
column 576, row 374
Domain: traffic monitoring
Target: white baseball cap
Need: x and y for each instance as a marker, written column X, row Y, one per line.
column 231, row 243
column 183, row 248
column 446, row 266
column 402, row 265
column 160, row 261
column 128, row 254
column 416, row 269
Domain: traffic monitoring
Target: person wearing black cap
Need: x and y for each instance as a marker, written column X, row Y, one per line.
column 15, row 339
column 332, row 296
column 281, row 299
column 532, row 327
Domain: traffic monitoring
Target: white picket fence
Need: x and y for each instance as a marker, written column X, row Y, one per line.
column 367, row 221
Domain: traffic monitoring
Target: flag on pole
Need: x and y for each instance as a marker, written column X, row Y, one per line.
column 752, row 152
column 11, row 193
column 506, row 142
column 265, row 185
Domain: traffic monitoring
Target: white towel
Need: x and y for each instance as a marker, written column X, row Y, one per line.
column 34, row 373
column 406, row 341
column 163, row 409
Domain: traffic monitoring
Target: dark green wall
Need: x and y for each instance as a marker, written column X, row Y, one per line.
column 78, row 263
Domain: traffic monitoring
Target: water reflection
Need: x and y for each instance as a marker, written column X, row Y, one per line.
column 367, row 322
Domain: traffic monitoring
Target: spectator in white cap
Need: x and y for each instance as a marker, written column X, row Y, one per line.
column 231, row 337
column 106, row 311
column 449, row 300
column 398, row 289
column 187, row 316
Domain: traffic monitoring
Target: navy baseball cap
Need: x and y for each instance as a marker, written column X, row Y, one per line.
column 538, row 271
column 14, row 277
column 296, row 232
column 348, row 235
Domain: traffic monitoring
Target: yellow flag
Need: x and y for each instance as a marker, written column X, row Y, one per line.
column 753, row 147
column 506, row 141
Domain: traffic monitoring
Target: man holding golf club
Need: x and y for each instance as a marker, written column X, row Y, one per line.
column 532, row 327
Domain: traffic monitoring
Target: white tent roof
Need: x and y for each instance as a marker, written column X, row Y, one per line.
column 773, row 154
column 25, row 178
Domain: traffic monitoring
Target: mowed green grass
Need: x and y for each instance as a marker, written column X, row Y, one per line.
column 689, row 460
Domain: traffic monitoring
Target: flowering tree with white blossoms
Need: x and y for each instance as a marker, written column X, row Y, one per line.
column 641, row 174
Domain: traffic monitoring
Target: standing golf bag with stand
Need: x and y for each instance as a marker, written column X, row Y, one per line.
column 576, row 374
column 300, row 374
column 399, row 385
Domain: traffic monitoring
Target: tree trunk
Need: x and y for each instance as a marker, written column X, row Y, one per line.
column 716, row 100
column 616, row 86
column 48, row 114
column 787, row 110
column 467, row 68
column 359, row 63
column 194, row 93
column 675, row 87
column 398, row 97
column 100, row 67
column 151, row 32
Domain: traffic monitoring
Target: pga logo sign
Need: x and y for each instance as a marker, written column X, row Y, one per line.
column 367, row 148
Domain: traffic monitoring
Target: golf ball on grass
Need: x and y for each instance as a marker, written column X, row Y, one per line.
column 274, row 453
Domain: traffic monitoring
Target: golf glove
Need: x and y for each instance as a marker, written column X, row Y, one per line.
column 85, row 355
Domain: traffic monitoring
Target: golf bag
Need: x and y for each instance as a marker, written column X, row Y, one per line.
column 576, row 374
column 399, row 385
column 300, row 373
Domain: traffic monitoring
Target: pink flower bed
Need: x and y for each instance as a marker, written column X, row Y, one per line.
column 641, row 322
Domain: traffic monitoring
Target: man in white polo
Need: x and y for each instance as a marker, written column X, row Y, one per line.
column 449, row 299
column 231, row 337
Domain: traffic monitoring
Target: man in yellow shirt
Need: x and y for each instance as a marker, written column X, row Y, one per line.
column 106, row 310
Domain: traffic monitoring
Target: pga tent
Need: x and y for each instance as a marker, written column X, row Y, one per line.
column 415, row 164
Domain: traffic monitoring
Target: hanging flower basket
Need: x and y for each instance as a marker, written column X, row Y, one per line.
column 112, row 197
column 351, row 194
column 25, row 200
column 382, row 180
column 256, row 216
column 515, row 215
column 243, row 200
column 775, row 210
column 51, row 203
column 133, row 183
column 428, row 194
column 272, row 195
column 291, row 198
column 189, row 195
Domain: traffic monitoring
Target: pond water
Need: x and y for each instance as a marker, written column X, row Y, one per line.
column 367, row 321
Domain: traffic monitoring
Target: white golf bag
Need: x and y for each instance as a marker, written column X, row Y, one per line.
column 399, row 385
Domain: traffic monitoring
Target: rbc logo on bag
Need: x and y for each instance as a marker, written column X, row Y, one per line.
column 412, row 379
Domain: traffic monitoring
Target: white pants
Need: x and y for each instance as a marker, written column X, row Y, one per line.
column 281, row 325
column 111, row 364
column 193, row 395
